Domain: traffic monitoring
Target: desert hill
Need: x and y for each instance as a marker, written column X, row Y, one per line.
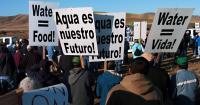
column 18, row 25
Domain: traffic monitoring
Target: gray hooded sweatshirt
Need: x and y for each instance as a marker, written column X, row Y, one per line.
column 81, row 82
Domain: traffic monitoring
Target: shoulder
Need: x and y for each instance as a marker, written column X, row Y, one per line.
column 86, row 72
column 100, row 77
column 115, row 88
column 89, row 74
column 186, row 72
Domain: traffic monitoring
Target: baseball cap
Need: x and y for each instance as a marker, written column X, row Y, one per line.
column 182, row 60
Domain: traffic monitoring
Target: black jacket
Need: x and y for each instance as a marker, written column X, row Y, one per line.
column 160, row 79
column 65, row 63
column 134, row 89
column 7, row 65
column 29, row 60
column 128, row 98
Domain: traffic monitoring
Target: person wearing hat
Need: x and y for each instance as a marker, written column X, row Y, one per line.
column 184, row 84
column 80, row 84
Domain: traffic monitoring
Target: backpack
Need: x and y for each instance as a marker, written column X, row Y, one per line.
column 138, row 52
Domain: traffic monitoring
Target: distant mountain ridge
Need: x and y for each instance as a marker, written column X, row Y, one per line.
column 18, row 24
column 130, row 18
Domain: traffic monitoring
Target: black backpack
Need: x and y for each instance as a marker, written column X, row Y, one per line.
column 138, row 52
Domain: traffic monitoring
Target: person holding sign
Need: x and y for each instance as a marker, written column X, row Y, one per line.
column 80, row 82
column 106, row 81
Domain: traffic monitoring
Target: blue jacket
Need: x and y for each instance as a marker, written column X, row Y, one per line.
column 184, row 87
column 198, row 41
column 104, row 83
column 50, row 50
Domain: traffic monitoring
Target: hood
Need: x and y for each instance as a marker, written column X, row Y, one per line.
column 74, row 75
column 138, row 84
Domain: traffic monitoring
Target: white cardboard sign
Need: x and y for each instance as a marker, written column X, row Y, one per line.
column 197, row 27
column 110, row 30
column 76, row 31
column 136, row 32
column 168, row 28
column 140, row 30
column 52, row 95
column 42, row 29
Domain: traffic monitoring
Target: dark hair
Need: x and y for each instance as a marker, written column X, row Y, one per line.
column 17, row 48
column 139, row 65
column 183, row 66
column 136, row 40
column 111, row 65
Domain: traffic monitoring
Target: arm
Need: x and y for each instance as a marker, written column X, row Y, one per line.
column 98, row 88
column 172, row 88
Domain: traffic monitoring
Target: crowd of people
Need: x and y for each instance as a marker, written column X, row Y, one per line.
column 143, row 82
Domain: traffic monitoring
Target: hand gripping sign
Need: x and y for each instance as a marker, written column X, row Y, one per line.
column 168, row 28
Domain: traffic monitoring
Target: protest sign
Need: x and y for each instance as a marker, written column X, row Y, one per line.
column 168, row 28
column 136, row 30
column 144, row 30
column 197, row 27
column 42, row 30
column 76, row 31
column 52, row 95
column 140, row 30
column 110, row 30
